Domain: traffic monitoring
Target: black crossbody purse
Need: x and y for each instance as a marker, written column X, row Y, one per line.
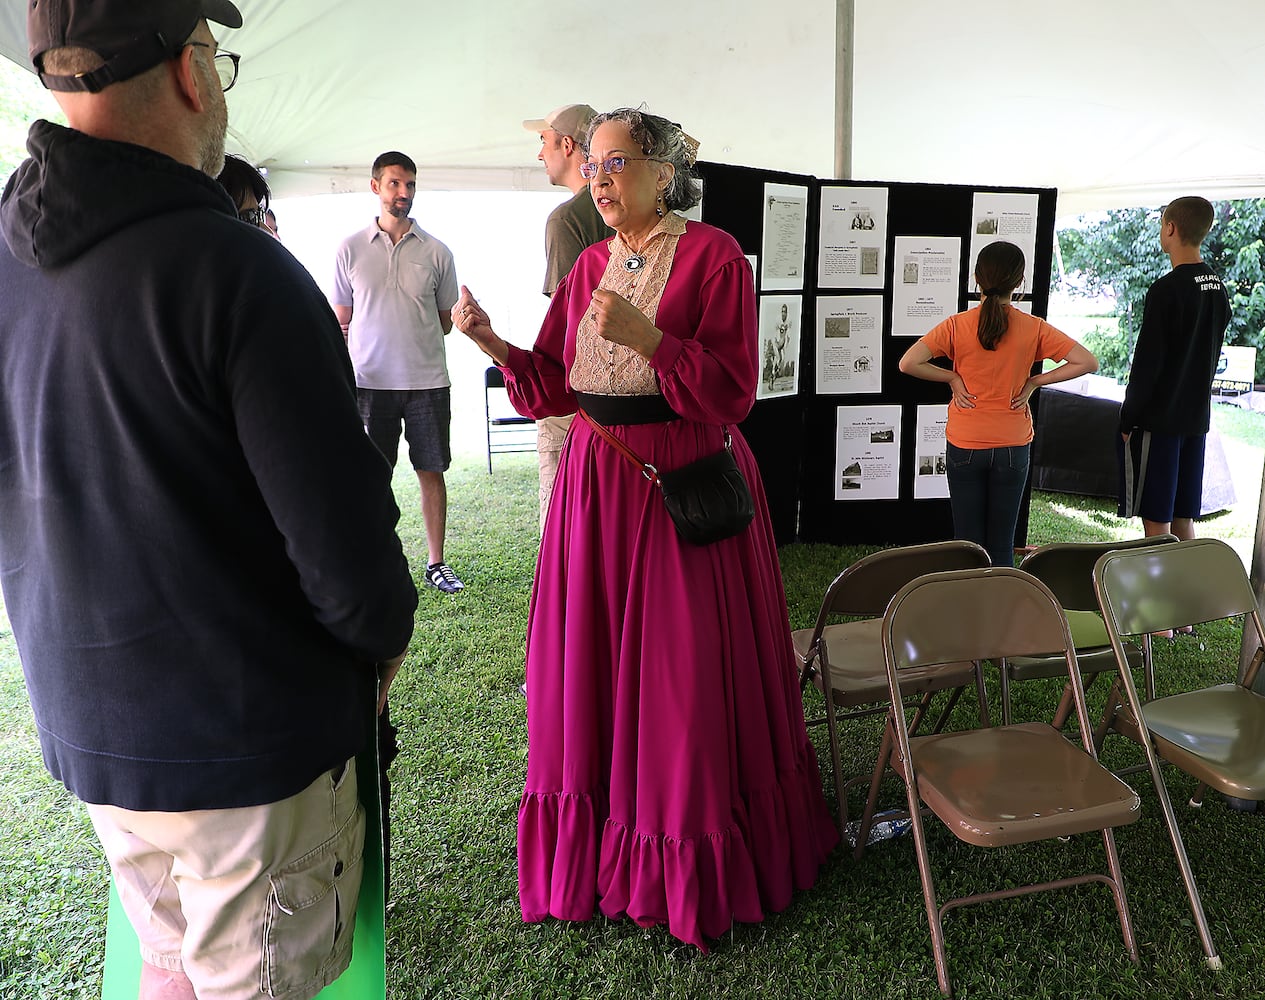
column 708, row 499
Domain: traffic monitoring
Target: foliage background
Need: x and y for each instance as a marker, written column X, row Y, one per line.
column 22, row 100
column 1118, row 254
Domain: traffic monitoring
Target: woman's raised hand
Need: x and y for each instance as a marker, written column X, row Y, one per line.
column 468, row 317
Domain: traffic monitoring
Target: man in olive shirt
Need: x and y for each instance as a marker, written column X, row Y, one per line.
column 573, row 226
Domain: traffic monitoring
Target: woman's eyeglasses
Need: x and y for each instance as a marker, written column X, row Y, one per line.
column 612, row 165
column 254, row 216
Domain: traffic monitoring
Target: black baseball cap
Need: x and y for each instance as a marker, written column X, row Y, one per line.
column 130, row 35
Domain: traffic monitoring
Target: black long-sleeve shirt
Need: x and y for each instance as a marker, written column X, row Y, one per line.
column 1175, row 359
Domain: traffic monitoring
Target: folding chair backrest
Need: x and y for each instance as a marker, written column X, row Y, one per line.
column 1067, row 568
column 974, row 614
column 1171, row 586
column 864, row 589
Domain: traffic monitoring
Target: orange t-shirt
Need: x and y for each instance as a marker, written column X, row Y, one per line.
column 995, row 377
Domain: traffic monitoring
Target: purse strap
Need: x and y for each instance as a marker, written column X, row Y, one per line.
column 647, row 470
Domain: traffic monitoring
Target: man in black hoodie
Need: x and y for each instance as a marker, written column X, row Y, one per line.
column 197, row 539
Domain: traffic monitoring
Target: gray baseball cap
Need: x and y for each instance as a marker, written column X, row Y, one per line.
column 570, row 119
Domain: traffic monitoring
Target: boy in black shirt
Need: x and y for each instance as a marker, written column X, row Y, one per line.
column 1166, row 412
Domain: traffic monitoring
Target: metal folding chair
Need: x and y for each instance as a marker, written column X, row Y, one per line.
column 1067, row 568
column 844, row 659
column 506, row 431
column 1215, row 734
column 1008, row 784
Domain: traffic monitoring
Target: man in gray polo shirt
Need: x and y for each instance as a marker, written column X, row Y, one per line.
column 394, row 288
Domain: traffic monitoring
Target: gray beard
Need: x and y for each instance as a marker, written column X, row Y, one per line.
column 211, row 144
column 399, row 213
column 212, row 158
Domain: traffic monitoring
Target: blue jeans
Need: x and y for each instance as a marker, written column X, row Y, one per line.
column 985, row 490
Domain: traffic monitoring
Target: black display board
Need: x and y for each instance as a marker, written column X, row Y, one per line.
column 733, row 201
column 794, row 437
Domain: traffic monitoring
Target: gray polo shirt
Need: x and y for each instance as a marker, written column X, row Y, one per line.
column 397, row 294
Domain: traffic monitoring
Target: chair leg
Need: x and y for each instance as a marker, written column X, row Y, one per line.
column 928, row 889
column 1197, row 799
column 871, row 799
column 982, row 695
column 1183, row 863
column 487, row 425
column 1148, row 667
column 1004, row 674
column 945, row 712
column 1117, row 892
column 832, row 727
column 924, row 703
column 1109, row 713
column 1066, row 704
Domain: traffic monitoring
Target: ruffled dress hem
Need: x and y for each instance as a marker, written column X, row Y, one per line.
column 697, row 886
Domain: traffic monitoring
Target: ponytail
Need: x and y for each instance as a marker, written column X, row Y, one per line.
column 992, row 321
column 999, row 271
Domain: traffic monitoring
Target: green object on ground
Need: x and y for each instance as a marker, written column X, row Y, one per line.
column 365, row 977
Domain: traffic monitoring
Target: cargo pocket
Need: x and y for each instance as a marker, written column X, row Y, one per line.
column 312, row 912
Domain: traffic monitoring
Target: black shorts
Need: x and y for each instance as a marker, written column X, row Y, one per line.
column 1161, row 475
column 426, row 415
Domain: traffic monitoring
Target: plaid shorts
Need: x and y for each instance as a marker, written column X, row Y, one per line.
column 427, row 418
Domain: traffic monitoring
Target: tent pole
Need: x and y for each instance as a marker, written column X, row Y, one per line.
column 845, row 24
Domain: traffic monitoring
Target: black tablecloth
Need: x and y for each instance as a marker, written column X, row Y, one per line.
column 1074, row 450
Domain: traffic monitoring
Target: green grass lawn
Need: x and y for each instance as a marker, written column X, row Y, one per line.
column 454, row 929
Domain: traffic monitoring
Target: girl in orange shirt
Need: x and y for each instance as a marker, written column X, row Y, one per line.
column 993, row 349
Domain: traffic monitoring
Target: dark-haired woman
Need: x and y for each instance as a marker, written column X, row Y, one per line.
column 992, row 349
column 249, row 191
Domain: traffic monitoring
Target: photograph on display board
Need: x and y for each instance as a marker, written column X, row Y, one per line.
column 849, row 343
column 852, row 237
column 779, row 345
column 867, row 453
column 931, row 480
column 927, row 291
column 1009, row 216
column 785, row 229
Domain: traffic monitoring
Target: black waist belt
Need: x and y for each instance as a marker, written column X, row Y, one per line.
column 610, row 410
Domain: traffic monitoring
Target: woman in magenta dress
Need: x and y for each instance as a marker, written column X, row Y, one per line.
column 669, row 775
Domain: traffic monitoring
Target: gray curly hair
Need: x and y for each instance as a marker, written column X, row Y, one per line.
column 661, row 140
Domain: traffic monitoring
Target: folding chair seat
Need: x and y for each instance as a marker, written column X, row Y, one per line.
column 1067, row 568
column 845, row 658
column 1009, row 784
column 1215, row 734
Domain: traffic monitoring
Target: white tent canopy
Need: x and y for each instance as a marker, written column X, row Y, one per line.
column 1114, row 103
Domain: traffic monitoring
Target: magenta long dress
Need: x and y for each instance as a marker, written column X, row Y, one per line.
column 669, row 775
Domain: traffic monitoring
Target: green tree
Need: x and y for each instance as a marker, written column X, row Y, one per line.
column 22, row 100
column 1119, row 254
